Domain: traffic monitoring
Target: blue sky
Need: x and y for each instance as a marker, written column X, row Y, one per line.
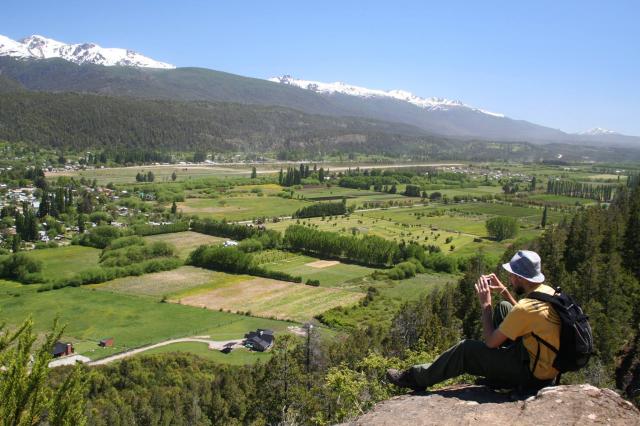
column 571, row 65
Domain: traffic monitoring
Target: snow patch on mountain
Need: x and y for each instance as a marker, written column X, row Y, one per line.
column 599, row 131
column 39, row 47
column 431, row 104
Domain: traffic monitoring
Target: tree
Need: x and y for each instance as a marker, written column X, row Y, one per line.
column 81, row 220
column 502, row 227
column 15, row 243
column 174, row 208
column 174, row 176
column 543, row 222
column 150, row 176
column 26, row 395
column 254, row 173
column 412, row 191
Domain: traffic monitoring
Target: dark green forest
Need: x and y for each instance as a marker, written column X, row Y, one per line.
column 127, row 127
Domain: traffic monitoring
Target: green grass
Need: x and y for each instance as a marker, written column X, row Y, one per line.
column 561, row 199
column 65, row 262
column 157, row 285
column 185, row 242
column 389, row 224
column 236, row 357
column 391, row 295
column 270, row 298
column 330, row 276
column 244, row 207
column 121, row 175
column 133, row 321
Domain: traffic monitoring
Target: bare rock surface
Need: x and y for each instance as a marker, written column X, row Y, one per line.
column 470, row 405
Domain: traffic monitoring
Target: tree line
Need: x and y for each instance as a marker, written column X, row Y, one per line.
column 270, row 237
column 572, row 188
column 234, row 260
column 322, row 209
column 368, row 250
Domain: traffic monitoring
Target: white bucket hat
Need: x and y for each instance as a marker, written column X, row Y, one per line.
column 526, row 264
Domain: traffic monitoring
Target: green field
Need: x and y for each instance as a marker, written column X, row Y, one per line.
column 388, row 224
column 65, row 262
column 562, row 199
column 270, row 298
column 243, row 207
column 162, row 173
column 186, row 242
column 91, row 315
column 330, row 276
column 236, row 357
column 176, row 283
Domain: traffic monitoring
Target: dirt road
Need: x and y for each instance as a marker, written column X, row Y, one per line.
column 213, row 344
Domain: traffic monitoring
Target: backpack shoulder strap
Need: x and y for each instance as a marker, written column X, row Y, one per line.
column 543, row 297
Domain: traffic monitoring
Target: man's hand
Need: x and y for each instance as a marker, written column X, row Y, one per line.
column 495, row 284
column 484, row 292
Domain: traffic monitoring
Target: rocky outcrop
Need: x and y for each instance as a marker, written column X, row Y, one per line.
column 467, row 405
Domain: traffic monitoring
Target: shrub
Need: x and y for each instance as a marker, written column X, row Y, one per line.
column 100, row 217
column 502, row 227
column 21, row 267
column 100, row 236
column 250, row 245
column 438, row 262
column 168, row 228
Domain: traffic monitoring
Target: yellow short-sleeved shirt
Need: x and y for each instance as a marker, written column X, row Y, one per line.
column 528, row 316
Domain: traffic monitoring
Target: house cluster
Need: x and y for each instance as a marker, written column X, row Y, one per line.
column 19, row 196
column 260, row 340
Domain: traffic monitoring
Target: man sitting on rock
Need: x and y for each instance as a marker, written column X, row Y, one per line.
column 510, row 354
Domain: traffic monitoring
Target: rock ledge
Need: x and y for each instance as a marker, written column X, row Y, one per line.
column 468, row 404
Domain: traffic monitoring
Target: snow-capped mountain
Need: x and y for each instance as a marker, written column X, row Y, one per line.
column 432, row 103
column 39, row 47
column 599, row 131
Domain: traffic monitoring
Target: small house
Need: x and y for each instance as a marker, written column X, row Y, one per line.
column 106, row 343
column 260, row 340
column 62, row 349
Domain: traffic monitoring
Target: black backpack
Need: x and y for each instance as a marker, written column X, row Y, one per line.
column 576, row 338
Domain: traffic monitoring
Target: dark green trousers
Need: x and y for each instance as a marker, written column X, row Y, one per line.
column 508, row 365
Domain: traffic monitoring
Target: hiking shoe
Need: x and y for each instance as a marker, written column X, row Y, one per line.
column 402, row 379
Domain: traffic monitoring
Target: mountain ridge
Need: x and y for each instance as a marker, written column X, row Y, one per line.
column 40, row 47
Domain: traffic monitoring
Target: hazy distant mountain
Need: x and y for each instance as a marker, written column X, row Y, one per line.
column 450, row 117
column 42, row 64
column 431, row 104
column 39, row 47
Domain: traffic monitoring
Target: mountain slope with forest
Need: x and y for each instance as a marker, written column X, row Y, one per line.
column 84, row 121
column 199, row 84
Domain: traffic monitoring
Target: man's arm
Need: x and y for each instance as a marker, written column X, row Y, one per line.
column 492, row 337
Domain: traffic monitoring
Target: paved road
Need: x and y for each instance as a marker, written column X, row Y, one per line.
column 213, row 344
